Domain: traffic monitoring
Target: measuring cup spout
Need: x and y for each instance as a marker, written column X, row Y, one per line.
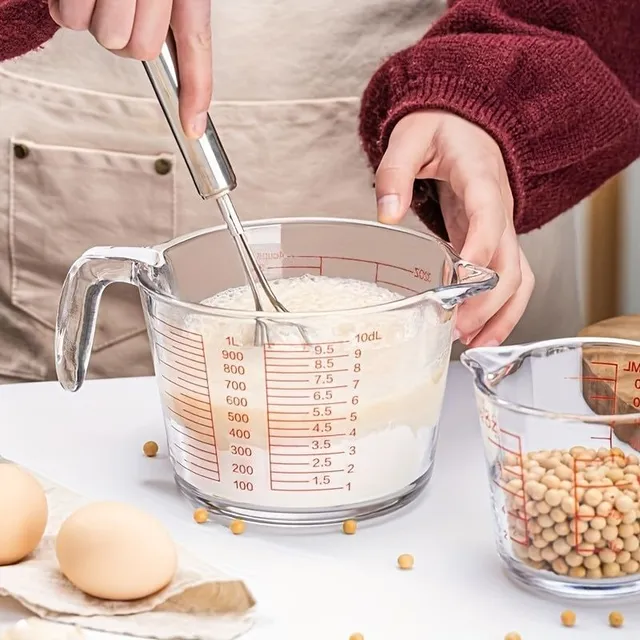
column 469, row 280
column 484, row 362
column 76, row 321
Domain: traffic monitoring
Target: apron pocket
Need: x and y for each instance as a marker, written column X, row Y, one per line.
column 64, row 200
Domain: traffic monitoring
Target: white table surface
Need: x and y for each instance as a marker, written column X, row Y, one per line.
column 322, row 585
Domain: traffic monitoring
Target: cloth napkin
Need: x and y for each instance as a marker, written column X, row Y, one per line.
column 201, row 603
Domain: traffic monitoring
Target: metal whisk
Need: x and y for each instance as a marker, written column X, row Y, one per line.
column 213, row 177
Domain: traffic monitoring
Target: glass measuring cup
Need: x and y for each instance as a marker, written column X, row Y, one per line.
column 558, row 420
column 288, row 433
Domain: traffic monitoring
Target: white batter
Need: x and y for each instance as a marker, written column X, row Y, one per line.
column 349, row 418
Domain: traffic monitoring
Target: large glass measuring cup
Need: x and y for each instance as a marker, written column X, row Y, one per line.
column 289, row 432
column 558, row 420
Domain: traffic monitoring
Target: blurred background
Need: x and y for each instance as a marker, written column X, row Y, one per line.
column 609, row 257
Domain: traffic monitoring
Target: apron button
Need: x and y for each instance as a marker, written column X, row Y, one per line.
column 163, row 166
column 21, row 151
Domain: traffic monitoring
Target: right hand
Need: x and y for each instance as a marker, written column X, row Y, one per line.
column 138, row 28
column 477, row 207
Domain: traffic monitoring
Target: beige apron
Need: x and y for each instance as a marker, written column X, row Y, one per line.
column 87, row 160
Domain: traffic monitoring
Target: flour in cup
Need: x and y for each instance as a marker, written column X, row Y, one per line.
column 349, row 418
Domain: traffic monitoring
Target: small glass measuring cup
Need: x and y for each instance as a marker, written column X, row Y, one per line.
column 288, row 432
column 558, row 420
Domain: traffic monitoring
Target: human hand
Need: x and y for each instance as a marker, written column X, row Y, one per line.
column 477, row 206
column 138, row 29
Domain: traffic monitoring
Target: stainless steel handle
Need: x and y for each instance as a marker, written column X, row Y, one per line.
column 206, row 159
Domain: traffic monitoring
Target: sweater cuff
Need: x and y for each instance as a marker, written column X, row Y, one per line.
column 25, row 25
column 463, row 98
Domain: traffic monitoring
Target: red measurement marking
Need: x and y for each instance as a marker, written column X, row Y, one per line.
column 513, row 473
column 308, row 404
column 309, row 356
column 202, row 472
column 191, row 372
column 516, row 515
column 208, row 423
column 290, row 413
column 576, row 502
column 266, row 393
column 289, row 397
column 292, row 464
column 313, row 388
column 290, row 446
column 193, row 446
column 318, row 472
column 515, row 450
column 186, row 346
column 180, row 330
column 361, row 260
column 186, row 404
column 316, row 437
column 314, row 420
column 322, row 264
column 502, row 447
column 310, row 372
column 306, row 455
column 515, row 494
column 314, row 490
column 175, row 354
column 191, row 436
column 184, row 395
column 197, row 457
column 287, row 365
column 291, row 266
column 611, row 399
column 181, row 386
column 307, row 348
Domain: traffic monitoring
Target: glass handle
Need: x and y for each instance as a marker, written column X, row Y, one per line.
column 79, row 302
column 472, row 280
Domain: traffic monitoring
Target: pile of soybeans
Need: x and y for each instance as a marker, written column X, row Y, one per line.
column 574, row 512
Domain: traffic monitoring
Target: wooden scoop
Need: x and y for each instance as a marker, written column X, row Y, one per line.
column 611, row 381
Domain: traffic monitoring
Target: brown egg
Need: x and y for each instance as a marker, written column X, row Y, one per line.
column 23, row 513
column 115, row 551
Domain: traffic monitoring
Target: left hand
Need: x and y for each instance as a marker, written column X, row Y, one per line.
column 477, row 206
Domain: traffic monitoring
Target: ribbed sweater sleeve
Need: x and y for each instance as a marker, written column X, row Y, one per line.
column 25, row 25
column 555, row 82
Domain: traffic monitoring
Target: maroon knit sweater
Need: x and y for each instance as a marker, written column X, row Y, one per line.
column 555, row 82
column 24, row 25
